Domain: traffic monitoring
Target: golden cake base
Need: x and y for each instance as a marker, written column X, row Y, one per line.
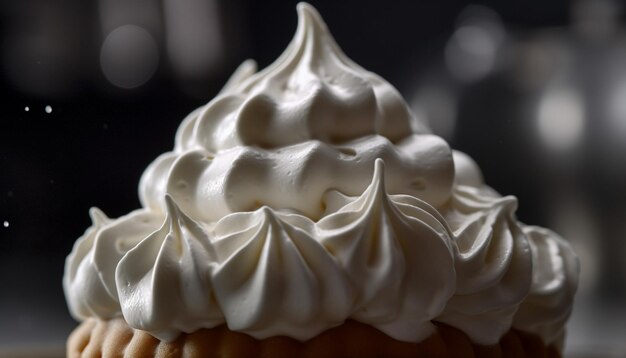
column 114, row 338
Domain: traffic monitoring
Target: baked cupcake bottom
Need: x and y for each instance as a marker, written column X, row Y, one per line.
column 114, row 338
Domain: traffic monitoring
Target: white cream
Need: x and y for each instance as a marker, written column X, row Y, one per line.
column 164, row 282
column 493, row 264
column 298, row 198
column 531, row 284
column 310, row 122
column 365, row 261
column 313, row 91
column 370, row 260
column 554, row 281
column 89, row 280
column 209, row 186
column 398, row 252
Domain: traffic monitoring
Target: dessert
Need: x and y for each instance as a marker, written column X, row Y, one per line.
column 300, row 208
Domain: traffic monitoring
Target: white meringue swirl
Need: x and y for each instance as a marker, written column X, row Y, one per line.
column 387, row 246
column 493, row 264
column 275, row 214
column 310, row 122
column 554, row 283
column 369, row 260
column 210, row 186
column 313, row 91
column 270, row 260
column 168, row 269
column 89, row 280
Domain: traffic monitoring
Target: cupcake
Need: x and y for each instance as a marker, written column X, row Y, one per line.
column 304, row 213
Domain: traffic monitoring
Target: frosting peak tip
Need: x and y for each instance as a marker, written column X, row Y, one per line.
column 97, row 216
column 170, row 206
column 378, row 179
column 309, row 16
column 379, row 168
column 306, row 9
column 244, row 71
column 266, row 210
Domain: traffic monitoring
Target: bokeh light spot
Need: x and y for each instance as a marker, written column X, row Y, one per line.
column 560, row 119
column 129, row 56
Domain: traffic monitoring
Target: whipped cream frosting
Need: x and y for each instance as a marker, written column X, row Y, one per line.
column 554, row 281
column 493, row 264
column 300, row 197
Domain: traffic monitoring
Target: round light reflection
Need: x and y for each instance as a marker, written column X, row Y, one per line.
column 560, row 119
column 471, row 53
column 129, row 56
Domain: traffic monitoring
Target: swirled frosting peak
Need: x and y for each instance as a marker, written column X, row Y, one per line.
column 299, row 198
column 310, row 122
column 169, row 268
column 313, row 91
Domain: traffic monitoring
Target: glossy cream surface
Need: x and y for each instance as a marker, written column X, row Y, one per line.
column 300, row 197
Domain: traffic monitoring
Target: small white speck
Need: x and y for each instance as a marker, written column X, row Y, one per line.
column 48, row 109
column 26, row 109
column 5, row 224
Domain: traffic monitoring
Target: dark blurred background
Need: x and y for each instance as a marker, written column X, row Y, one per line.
column 92, row 91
